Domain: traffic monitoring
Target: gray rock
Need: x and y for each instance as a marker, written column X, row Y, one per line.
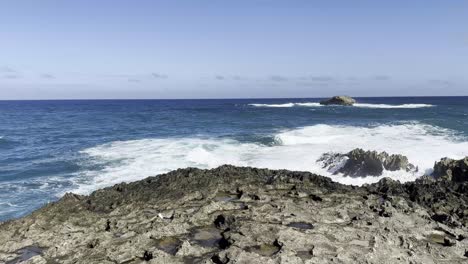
column 359, row 163
column 339, row 100
column 246, row 215
column 454, row 170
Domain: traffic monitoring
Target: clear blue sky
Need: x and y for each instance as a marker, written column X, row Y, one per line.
column 218, row 49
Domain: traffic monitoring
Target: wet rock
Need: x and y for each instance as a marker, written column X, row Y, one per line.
column 453, row 170
column 217, row 259
column 339, row 100
column 224, row 222
column 147, row 256
column 360, row 163
column 169, row 245
column 448, row 242
column 301, row 225
column 25, row 254
column 266, row 249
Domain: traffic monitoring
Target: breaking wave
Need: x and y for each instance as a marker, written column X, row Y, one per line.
column 287, row 105
column 296, row 149
column 387, row 106
column 359, row 105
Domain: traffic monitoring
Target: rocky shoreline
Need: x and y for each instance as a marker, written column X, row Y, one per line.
column 249, row 215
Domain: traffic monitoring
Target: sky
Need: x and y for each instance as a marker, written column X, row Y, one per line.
column 115, row 49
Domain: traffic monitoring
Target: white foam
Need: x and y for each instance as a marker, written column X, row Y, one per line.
column 387, row 106
column 296, row 149
column 310, row 104
column 359, row 105
column 273, row 105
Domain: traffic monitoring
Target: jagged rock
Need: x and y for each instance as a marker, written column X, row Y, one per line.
column 359, row 163
column 454, row 170
column 339, row 100
column 330, row 223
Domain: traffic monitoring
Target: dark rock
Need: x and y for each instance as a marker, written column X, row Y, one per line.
column 315, row 198
column 454, row 170
column 217, row 259
column 339, row 100
column 359, row 162
column 448, row 242
column 147, row 256
column 223, row 222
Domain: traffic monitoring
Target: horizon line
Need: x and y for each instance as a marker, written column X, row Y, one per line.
column 231, row 98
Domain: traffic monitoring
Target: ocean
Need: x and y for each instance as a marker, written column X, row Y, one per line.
column 48, row 148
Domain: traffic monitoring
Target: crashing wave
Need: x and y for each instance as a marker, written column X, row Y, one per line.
column 358, row 105
column 297, row 149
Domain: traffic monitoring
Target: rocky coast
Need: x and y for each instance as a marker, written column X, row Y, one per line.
column 249, row 215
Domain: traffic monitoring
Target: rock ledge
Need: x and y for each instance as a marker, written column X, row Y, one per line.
column 247, row 215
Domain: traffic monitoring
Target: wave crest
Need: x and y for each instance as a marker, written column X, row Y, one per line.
column 296, row 149
column 359, row 105
column 311, row 104
column 387, row 106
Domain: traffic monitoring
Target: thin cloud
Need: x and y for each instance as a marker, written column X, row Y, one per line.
column 159, row 75
column 219, row 77
column 322, row 78
column 236, row 78
column 381, row 77
column 313, row 84
column 7, row 69
column 278, row 78
column 11, row 76
column 133, row 80
column 441, row 82
column 47, row 76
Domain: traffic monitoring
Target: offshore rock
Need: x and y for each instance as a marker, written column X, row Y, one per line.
column 360, row 163
column 454, row 170
column 339, row 100
column 247, row 215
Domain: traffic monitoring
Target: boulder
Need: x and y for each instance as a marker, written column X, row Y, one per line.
column 453, row 170
column 339, row 100
column 360, row 163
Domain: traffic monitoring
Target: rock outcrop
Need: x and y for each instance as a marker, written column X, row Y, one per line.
column 360, row 163
column 454, row 170
column 247, row 215
column 339, row 100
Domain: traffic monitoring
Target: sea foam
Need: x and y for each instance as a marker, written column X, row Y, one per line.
column 296, row 149
column 359, row 105
column 388, row 106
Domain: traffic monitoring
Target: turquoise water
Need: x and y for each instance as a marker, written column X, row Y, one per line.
column 48, row 148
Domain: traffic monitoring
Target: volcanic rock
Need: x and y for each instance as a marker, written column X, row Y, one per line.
column 454, row 170
column 247, row 215
column 360, row 163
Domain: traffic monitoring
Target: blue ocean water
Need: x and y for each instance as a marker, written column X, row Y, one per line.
column 48, row 148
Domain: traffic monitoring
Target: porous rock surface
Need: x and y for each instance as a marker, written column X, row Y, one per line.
column 360, row 163
column 453, row 170
column 247, row 215
column 339, row 100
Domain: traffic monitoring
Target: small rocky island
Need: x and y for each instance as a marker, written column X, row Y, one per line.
column 249, row 215
column 339, row 100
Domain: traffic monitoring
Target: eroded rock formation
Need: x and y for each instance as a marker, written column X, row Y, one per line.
column 247, row 215
column 454, row 170
column 361, row 163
